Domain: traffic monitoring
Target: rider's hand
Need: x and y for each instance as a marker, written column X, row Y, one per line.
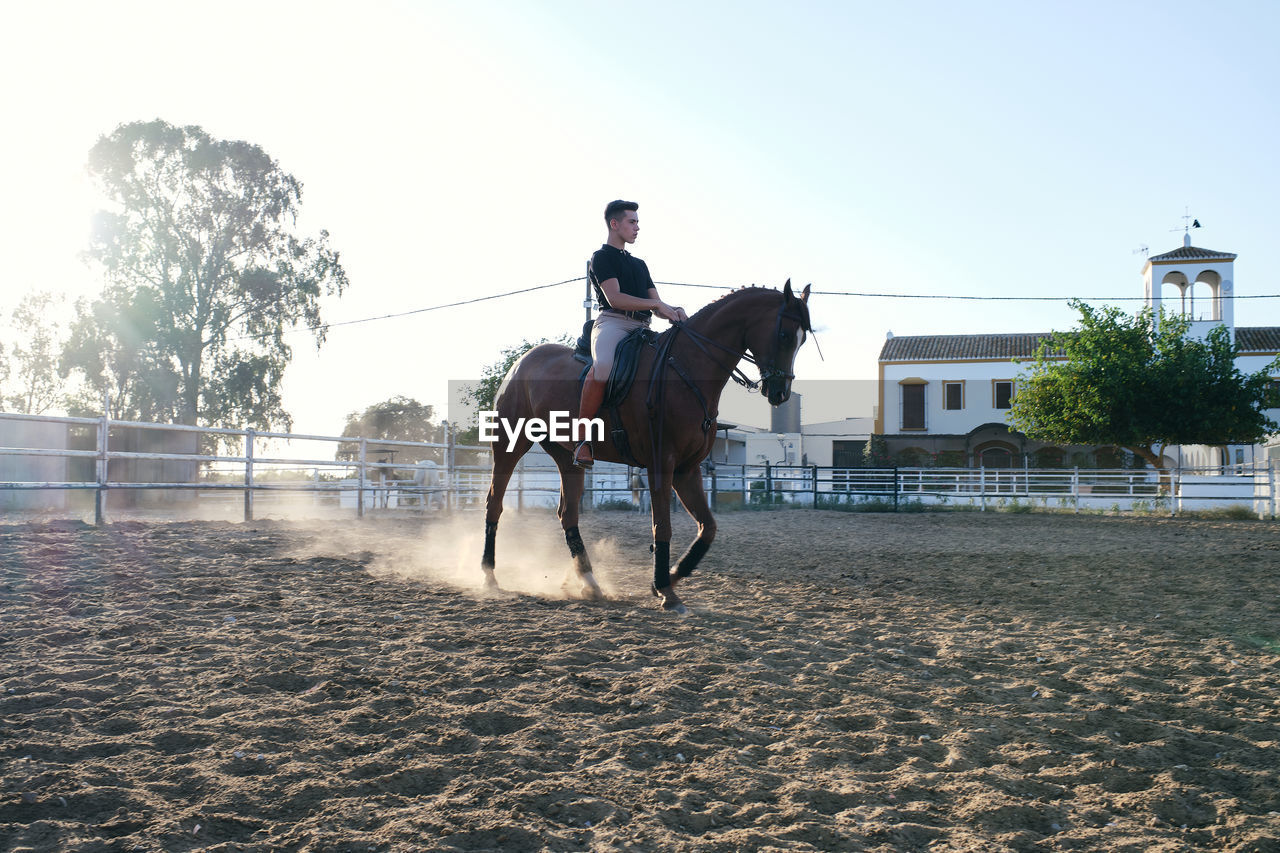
column 674, row 315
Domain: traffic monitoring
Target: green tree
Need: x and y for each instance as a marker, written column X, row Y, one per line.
column 1141, row 382
column 205, row 276
column 33, row 359
column 484, row 394
column 399, row 419
column 115, row 344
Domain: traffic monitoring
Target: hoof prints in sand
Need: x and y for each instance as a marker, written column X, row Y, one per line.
column 856, row 682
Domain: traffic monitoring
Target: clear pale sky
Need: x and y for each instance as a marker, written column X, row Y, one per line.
column 456, row 150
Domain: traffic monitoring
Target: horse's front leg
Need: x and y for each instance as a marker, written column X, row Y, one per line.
column 571, row 487
column 689, row 487
column 660, row 505
column 504, row 464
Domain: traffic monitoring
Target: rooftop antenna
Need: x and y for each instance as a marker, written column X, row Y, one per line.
column 1143, row 250
column 1187, row 224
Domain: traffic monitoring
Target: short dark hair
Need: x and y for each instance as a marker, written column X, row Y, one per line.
column 616, row 207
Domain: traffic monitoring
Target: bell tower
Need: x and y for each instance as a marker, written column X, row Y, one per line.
column 1196, row 283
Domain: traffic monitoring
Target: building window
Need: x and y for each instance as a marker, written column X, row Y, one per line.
column 913, row 406
column 953, row 396
column 1002, row 392
column 844, row 456
column 996, row 457
column 848, row 454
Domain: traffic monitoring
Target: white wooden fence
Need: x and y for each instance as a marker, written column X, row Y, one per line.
column 447, row 477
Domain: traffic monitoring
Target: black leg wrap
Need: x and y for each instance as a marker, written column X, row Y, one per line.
column 661, row 565
column 691, row 558
column 490, row 534
column 576, row 548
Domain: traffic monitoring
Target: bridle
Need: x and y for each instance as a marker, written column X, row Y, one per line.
column 663, row 360
column 769, row 370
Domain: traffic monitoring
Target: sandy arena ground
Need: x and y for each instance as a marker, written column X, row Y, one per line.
column 940, row 682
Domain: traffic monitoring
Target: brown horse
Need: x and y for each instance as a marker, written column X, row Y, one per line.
column 669, row 417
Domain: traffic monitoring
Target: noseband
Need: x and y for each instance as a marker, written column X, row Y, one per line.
column 771, row 370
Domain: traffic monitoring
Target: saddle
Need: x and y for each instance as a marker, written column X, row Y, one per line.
column 626, row 361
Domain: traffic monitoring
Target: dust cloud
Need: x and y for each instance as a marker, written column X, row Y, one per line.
column 532, row 556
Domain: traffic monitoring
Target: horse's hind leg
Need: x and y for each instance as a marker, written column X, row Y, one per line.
column 572, row 481
column 504, row 464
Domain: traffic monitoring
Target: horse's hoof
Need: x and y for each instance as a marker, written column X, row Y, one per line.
column 590, row 587
column 677, row 608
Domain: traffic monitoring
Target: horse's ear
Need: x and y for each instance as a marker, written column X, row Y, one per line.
column 804, row 295
column 787, row 295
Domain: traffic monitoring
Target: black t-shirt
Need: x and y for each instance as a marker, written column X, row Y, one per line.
column 632, row 274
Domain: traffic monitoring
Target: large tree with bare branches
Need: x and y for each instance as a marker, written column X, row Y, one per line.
column 205, row 275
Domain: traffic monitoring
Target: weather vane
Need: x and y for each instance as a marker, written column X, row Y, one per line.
column 1187, row 226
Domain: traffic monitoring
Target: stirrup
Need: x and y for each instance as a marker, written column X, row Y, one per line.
column 583, row 463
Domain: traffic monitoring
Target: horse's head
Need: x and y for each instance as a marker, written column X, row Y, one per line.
column 774, row 342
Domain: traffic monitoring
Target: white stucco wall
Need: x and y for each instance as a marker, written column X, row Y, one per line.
column 1160, row 295
column 818, row 439
column 979, row 406
column 979, row 403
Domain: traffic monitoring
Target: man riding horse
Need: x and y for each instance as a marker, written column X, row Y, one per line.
column 627, row 299
column 669, row 427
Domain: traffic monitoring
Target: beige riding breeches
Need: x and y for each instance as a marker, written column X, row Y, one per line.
column 608, row 331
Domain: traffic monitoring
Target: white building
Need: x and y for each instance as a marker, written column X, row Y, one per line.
column 945, row 399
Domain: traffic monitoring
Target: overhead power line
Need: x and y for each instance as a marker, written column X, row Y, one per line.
column 327, row 326
column 958, row 296
column 852, row 293
column 454, row 304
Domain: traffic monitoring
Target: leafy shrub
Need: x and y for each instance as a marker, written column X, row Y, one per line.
column 1233, row 512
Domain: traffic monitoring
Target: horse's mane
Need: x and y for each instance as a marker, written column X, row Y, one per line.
column 750, row 289
column 718, row 303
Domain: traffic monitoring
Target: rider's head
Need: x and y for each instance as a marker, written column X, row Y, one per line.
column 623, row 220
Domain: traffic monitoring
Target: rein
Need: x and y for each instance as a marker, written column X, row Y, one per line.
column 658, row 383
column 735, row 373
column 767, row 371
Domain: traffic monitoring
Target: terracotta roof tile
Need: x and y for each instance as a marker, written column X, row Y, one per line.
column 1192, row 253
column 1258, row 338
column 952, row 347
column 948, row 347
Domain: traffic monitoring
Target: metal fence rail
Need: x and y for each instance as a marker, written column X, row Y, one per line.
column 446, row 476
